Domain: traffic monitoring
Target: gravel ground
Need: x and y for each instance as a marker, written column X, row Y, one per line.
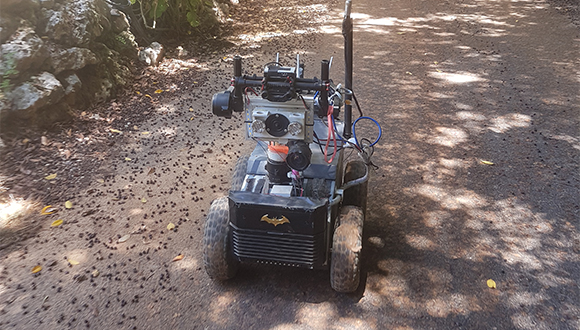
column 455, row 86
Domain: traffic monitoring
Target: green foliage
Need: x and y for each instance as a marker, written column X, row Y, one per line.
column 159, row 7
column 121, row 39
column 9, row 70
column 175, row 15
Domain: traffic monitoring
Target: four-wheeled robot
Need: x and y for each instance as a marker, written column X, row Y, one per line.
column 299, row 198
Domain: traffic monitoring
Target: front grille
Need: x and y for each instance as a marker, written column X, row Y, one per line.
column 281, row 249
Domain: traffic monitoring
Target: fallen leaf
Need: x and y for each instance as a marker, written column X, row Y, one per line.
column 124, row 238
column 149, row 96
column 43, row 140
column 151, row 171
column 170, row 226
column 190, row 109
column 409, row 73
column 179, row 257
column 73, row 262
column 48, row 210
column 128, row 159
column 191, row 118
column 135, row 127
column 95, row 273
column 143, row 200
column 138, row 92
column 25, row 141
column 115, row 130
column 100, row 181
column 36, row 269
column 145, row 133
column 56, row 223
column 486, row 162
column 159, row 91
column 50, row 177
column 491, row 283
column 68, row 204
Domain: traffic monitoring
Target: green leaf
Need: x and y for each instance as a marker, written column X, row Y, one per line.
column 193, row 19
column 158, row 8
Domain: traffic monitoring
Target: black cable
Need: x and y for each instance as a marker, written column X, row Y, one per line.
column 357, row 105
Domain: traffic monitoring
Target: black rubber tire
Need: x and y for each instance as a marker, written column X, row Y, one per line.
column 346, row 250
column 356, row 195
column 239, row 173
column 219, row 261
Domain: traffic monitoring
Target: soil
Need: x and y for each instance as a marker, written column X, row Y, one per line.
column 456, row 88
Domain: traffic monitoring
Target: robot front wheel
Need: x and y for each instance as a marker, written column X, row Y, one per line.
column 219, row 261
column 346, row 253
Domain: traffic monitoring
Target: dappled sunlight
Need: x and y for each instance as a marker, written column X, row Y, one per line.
column 317, row 316
column 397, row 291
column 420, row 242
column 219, row 307
column 12, row 209
column 188, row 263
column 503, row 123
column 77, row 256
column 476, row 122
column 573, row 141
column 457, row 78
column 452, row 304
column 451, row 200
column 444, row 136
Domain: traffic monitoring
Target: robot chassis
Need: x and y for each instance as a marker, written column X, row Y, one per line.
column 297, row 199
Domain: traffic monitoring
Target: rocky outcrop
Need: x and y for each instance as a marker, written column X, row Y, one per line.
column 37, row 92
column 58, row 54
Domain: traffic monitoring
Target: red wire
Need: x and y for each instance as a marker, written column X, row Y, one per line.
column 331, row 136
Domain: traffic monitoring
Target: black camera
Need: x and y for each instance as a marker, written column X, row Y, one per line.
column 279, row 82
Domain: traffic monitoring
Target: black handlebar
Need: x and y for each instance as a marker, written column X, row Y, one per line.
column 299, row 84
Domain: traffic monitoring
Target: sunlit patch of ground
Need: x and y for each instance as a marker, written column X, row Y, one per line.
column 14, row 218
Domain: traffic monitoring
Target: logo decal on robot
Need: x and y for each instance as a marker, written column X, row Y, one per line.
column 275, row 221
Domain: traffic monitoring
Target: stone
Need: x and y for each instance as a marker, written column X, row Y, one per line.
column 23, row 51
column 36, row 93
column 153, row 54
column 8, row 25
column 72, row 86
column 74, row 58
column 72, row 83
column 78, row 23
column 119, row 21
column 48, row 4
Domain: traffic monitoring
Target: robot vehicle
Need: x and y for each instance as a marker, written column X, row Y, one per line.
column 299, row 198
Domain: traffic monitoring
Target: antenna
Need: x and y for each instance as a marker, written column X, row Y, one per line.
column 298, row 66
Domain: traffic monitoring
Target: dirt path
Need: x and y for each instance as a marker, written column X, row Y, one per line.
column 453, row 84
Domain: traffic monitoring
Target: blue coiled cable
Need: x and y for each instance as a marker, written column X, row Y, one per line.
column 374, row 121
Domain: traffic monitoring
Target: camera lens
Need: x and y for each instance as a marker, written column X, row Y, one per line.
column 299, row 155
column 220, row 104
column 277, row 125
